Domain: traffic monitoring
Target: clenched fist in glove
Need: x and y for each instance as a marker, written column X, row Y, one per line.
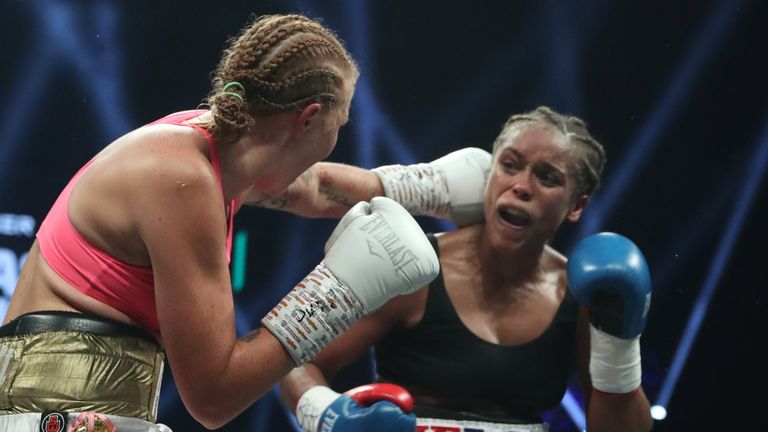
column 376, row 252
column 450, row 187
column 369, row 408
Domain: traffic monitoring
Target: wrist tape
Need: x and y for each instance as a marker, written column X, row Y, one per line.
column 314, row 313
column 614, row 362
column 421, row 188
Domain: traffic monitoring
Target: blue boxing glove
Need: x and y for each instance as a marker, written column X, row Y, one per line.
column 370, row 408
column 608, row 274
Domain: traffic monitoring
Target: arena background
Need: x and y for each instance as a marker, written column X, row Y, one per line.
column 676, row 90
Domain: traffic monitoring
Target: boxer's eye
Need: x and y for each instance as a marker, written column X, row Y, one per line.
column 549, row 176
column 510, row 165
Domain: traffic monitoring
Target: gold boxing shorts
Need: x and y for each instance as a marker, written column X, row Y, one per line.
column 69, row 362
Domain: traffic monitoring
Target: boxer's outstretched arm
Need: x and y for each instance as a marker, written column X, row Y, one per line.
column 326, row 189
column 451, row 187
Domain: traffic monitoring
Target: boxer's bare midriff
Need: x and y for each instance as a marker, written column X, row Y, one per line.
column 40, row 289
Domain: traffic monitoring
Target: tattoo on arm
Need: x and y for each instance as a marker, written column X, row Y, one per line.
column 282, row 201
column 336, row 198
column 307, row 176
column 251, row 336
column 270, row 202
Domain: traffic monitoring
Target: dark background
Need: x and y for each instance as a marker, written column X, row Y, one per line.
column 675, row 90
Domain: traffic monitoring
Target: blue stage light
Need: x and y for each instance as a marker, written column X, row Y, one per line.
column 711, row 36
column 574, row 410
column 752, row 181
column 62, row 39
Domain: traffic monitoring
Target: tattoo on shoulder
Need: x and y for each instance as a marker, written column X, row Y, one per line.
column 251, row 336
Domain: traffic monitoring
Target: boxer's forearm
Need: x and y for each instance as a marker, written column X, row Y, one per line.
column 299, row 381
column 340, row 186
column 629, row 413
column 255, row 364
column 325, row 190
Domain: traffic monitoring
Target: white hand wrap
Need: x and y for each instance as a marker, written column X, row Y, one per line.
column 314, row 313
column 615, row 363
column 311, row 406
column 420, row 188
column 450, row 187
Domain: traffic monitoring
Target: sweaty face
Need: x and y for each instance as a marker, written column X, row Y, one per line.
column 531, row 188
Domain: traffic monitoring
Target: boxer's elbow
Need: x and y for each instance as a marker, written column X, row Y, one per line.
column 210, row 407
column 210, row 414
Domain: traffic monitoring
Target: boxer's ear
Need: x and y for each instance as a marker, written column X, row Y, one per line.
column 577, row 208
column 307, row 116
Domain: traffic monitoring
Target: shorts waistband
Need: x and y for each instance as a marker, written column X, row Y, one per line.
column 80, row 371
column 51, row 321
column 424, row 424
column 428, row 411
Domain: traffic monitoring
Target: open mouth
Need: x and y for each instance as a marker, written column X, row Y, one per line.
column 515, row 216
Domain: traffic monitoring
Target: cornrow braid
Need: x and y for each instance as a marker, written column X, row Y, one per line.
column 591, row 163
column 284, row 63
column 267, row 87
column 307, row 47
column 319, row 98
column 277, row 34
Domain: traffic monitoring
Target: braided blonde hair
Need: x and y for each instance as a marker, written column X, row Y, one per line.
column 282, row 63
column 590, row 164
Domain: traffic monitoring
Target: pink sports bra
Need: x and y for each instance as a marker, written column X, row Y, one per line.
column 128, row 288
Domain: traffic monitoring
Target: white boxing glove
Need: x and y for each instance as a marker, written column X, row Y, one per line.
column 376, row 252
column 452, row 187
column 380, row 251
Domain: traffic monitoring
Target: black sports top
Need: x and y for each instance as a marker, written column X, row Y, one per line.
column 442, row 355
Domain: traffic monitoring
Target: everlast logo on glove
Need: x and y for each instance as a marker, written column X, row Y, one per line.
column 389, row 240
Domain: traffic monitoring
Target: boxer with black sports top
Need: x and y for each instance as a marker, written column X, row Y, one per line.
column 491, row 343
